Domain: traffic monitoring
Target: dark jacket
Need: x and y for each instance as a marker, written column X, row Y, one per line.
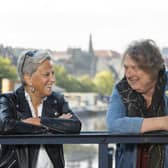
column 13, row 108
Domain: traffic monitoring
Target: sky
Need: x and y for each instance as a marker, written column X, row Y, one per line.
column 59, row 24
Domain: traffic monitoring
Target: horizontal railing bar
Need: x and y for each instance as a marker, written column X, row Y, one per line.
column 92, row 137
column 84, row 138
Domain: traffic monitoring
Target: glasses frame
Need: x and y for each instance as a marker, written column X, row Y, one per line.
column 27, row 54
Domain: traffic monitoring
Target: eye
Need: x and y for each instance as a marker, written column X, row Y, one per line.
column 53, row 73
column 125, row 67
column 46, row 74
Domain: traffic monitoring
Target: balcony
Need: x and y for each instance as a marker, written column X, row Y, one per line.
column 103, row 139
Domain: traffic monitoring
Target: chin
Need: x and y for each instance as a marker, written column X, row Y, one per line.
column 138, row 90
column 48, row 93
column 135, row 88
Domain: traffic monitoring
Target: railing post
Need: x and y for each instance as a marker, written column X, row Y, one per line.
column 103, row 155
column 110, row 157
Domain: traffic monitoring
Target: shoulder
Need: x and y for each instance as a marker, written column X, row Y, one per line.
column 7, row 97
column 115, row 102
column 115, row 94
column 56, row 97
column 166, row 102
column 115, row 91
column 14, row 96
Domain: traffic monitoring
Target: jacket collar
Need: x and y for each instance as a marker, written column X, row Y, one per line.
column 48, row 106
column 22, row 104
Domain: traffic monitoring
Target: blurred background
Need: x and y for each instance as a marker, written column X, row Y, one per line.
column 86, row 39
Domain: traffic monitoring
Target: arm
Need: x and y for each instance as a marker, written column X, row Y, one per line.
column 8, row 120
column 66, row 122
column 155, row 124
column 117, row 121
column 116, row 118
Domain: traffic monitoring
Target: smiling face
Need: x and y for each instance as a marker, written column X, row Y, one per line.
column 42, row 80
column 137, row 78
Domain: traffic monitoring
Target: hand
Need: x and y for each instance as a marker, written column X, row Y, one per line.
column 164, row 122
column 66, row 116
column 155, row 124
column 33, row 121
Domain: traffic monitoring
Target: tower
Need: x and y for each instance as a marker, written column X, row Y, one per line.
column 91, row 45
column 93, row 59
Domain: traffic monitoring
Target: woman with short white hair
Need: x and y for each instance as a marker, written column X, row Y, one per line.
column 35, row 108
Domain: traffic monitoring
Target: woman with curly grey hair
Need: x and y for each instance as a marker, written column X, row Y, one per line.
column 138, row 104
column 34, row 108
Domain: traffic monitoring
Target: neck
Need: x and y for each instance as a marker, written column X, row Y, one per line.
column 149, row 93
column 35, row 99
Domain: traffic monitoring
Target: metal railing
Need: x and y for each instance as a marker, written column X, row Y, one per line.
column 100, row 138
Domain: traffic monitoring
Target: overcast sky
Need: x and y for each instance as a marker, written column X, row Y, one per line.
column 59, row 24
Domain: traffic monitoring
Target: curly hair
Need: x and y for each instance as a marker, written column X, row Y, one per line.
column 147, row 55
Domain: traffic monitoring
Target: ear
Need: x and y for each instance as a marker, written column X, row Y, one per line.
column 28, row 79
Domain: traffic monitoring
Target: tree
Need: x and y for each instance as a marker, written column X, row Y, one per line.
column 7, row 70
column 61, row 75
column 87, row 84
column 66, row 81
column 72, row 84
column 104, row 81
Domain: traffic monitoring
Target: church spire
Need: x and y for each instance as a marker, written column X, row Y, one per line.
column 90, row 45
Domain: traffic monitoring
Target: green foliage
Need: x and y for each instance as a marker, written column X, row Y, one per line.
column 87, row 84
column 66, row 81
column 7, row 70
column 73, row 85
column 61, row 75
column 104, row 81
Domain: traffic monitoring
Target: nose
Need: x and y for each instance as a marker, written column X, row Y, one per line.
column 53, row 79
column 129, row 72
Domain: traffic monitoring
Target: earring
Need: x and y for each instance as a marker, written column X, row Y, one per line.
column 32, row 89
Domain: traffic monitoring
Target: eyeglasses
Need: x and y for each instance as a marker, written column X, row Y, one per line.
column 28, row 54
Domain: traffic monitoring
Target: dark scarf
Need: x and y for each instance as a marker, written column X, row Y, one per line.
column 136, row 107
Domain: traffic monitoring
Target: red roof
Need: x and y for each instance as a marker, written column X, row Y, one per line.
column 107, row 53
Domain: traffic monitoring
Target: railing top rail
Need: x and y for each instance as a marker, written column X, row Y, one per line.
column 91, row 137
